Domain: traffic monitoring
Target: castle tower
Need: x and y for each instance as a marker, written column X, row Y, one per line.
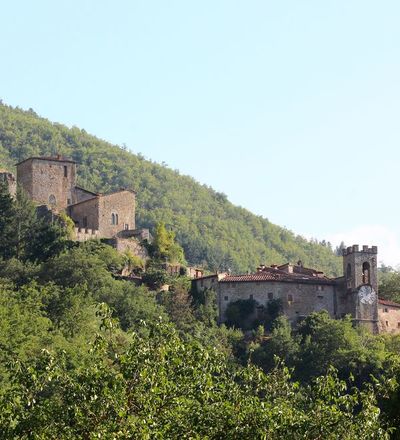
column 48, row 180
column 361, row 284
column 10, row 181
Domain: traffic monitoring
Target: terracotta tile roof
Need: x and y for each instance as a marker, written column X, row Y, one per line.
column 386, row 302
column 275, row 274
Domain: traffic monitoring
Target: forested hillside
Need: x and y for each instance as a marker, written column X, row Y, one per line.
column 211, row 230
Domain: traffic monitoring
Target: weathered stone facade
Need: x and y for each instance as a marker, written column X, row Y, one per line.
column 302, row 291
column 51, row 182
column 10, row 181
column 109, row 214
column 389, row 316
column 48, row 181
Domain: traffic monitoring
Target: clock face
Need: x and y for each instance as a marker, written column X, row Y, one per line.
column 366, row 294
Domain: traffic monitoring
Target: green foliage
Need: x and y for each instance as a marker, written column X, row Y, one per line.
column 240, row 313
column 210, row 229
column 23, row 235
column 164, row 387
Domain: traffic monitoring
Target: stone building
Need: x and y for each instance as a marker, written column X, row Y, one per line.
column 389, row 316
column 51, row 182
column 302, row 291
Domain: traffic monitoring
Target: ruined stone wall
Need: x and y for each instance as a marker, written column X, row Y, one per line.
column 389, row 319
column 298, row 299
column 10, row 181
column 122, row 204
column 48, row 182
column 88, row 209
column 131, row 245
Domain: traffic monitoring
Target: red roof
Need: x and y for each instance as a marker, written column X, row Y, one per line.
column 386, row 302
column 275, row 274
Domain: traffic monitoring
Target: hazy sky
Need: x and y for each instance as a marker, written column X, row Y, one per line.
column 289, row 107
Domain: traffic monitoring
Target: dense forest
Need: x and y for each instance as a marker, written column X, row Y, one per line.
column 87, row 354
column 212, row 231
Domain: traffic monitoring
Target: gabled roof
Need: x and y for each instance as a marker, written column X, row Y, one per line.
column 386, row 302
column 276, row 274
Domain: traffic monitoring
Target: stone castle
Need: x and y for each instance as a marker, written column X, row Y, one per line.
column 51, row 182
column 301, row 291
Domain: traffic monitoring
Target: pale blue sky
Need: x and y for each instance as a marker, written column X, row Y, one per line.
column 289, row 107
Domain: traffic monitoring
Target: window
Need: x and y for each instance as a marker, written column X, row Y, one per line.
column 251, row 296
column 366, row 273
column 65, row 171
column 348, row 272
column 68, row 201
column 270, row 295
column 226, row 298
column 398, row 325
column 114, row 219
column 126, row 227
column 290, row 298
column 52, row 200
column 320, row 297
column 84, row 222
column 387, row 323
column 386, row 310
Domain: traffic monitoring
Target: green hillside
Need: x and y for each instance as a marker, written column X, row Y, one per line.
column 212, row 230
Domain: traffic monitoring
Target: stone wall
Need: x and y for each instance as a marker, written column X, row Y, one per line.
column 389, row 318
column 122, row 204
column 86, row 214
column 82, row 234
column 131, row 245
column 10, row 181
column 48, row 181
column 298, row 299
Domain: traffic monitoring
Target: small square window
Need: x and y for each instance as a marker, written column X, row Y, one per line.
column 226, row 298
column 386, row 310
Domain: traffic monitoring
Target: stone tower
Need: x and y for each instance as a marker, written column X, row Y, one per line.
column 361, row 284
column 10, row 181
column 48, row 181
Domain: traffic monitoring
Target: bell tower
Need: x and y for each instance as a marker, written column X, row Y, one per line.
column 361, row 284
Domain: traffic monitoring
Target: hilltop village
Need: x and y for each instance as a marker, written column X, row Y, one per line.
column 50, row 182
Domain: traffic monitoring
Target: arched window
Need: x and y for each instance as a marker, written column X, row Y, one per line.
column 366, row 270
column 114, row 219
column 52, row 200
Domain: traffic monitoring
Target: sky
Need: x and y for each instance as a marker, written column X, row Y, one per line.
column 291, row 108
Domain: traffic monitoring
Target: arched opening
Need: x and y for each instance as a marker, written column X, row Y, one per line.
column 366, row 273
column 114, row 219
column 52, row 200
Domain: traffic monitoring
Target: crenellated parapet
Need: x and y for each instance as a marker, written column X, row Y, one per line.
column 85, row 234
column 356, row 249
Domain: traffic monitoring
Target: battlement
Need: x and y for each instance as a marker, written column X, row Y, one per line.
column 84, row 234
column 355, row 249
